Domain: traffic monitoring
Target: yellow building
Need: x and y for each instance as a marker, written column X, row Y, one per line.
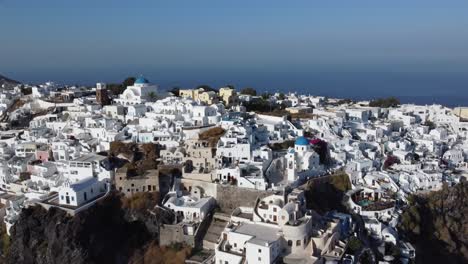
column 461, row 112
column 208, row 98
column 228, row 95
column 191, row 93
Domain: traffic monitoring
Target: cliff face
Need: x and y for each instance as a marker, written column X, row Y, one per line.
column 437, row 224
column 8, row 83
column 101, row 234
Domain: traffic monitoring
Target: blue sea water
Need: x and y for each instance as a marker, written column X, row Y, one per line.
column 447, row 88
column 450, row 89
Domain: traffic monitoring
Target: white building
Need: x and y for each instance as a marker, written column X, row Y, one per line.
column 302, row 160
column 278, row 228
column 190, row 208
column 140, row 92
column 81, row 192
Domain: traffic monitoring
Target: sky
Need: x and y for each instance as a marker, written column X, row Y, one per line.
column 246, row 43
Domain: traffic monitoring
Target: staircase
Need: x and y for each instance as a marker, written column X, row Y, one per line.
column 215, row 229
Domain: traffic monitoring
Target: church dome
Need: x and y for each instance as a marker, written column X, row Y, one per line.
column 302, row 141
column 141, row 80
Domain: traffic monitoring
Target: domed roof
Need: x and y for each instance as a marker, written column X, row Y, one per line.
column 141, row 80
column 302, row 141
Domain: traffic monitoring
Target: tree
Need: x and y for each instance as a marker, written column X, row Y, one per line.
column 345, row 101
column 128, row 82
column 385, row 102
column 25, row 90
column 249, row 91
column 266, row 96
column 430, row 124
column 118, row 88
column 152, row 96
column 281, row 96
column 354, row 244
column 175, row 91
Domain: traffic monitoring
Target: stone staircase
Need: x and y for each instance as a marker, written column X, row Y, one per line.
column 217, row 225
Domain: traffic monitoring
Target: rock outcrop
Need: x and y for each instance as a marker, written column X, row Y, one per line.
column 7, row 83
column 437, row 223
column 102, row 234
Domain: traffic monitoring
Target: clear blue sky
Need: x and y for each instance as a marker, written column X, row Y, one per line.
column 185, row 42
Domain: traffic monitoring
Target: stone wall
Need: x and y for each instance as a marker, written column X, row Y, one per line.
column 170, row 234
column 230, row 197
column 227, row 197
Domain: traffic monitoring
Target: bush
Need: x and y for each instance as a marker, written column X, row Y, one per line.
column 354, row 244
column 141, row 201
column 430, row 124
column 390, row 161
column 175, row 254
column 249, row 91
column 340, row 180
column 385, row 102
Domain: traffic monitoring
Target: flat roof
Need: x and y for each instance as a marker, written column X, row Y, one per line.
column 261, row 233
column 89, row 158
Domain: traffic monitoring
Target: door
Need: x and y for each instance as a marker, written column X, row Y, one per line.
column 67, row 198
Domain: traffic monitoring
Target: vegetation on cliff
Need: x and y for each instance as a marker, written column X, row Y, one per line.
column 212, row 135
column 437, row 223
column 140, row 157
column 326, row 194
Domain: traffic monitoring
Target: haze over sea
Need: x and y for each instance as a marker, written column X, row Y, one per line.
column 447, row 88
column 414, row 50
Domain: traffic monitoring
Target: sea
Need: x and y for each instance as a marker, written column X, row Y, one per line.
column 446, row 88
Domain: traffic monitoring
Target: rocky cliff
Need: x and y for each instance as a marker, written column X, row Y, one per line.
column 113, row 231
column 437, row 223
column 6, row 82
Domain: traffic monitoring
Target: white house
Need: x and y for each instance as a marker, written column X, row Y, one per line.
column 190, row 208
column 81, row 192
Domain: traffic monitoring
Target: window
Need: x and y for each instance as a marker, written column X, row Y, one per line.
column 259, row 250
column 289, row 243
column 274, row 209
column 298, row 243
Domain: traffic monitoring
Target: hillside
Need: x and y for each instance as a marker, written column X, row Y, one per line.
column 116, row 230
column 437, row 224
column 6, row 82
